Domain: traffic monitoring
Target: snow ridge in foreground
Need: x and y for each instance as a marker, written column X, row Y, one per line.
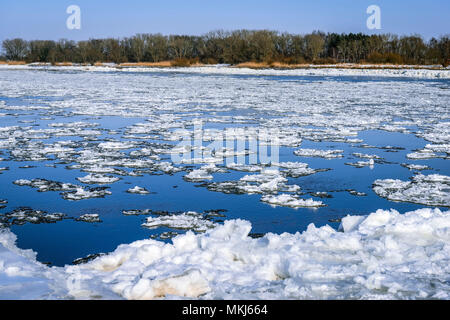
column 383, row 255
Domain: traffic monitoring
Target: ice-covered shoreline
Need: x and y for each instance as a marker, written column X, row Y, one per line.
column 386, row 255
column 332, row 71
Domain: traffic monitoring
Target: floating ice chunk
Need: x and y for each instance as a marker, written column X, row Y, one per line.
column 138, row 190
column 44, row 185
column 198, row 175
column 366, row 156
column 77, row 125
column 437, row 133
column 415, row 167
column 116, row 145
column 431, row 190
column 244, row 167
column 287, row 200
column 71, row 191
column 185, row 221
column 394, row 128
column 295, row 169
column 444, row 147
column 204, row 173
column 101, row 170
column 137, row 212
column 23, row 215
column 321, row 194
column 206, row 160
column 327, row 154
column 98, row 179
column 422, row 154
column 89, row 217
column 429, row 152
column 268, row 181
column 356, row 193
column 231, row 152
column 80, row 194
column 361, row 164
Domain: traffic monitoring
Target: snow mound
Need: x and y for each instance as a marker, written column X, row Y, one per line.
column 386, row 255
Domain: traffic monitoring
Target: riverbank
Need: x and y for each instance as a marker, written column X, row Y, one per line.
column 385, row 71
column 244, row 65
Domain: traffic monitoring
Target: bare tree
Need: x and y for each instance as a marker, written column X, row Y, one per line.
column 15, row 49
column 314, row 45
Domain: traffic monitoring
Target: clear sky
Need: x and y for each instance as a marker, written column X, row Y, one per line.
column 46, row 19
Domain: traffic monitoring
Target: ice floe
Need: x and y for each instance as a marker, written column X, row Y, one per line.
column 23, row 215
column 70, row 191
column 327, row 154
column 89, row 217
column 415, row 167
column 430, row 190
column 287, row 200
column 138, row 190
column 360, row 164
column 98, row 179
column 190, row 220
column 266, row 182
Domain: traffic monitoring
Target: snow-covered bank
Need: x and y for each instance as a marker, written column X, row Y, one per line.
column 223, row 69
column 384, row 255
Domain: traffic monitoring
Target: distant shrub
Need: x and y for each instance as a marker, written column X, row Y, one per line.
column 290, row 60
column 375, row 57
column 210, row 61
column 62, row 64
column 183, row 62
column 324, row 61
column 392, row 58
column 16, row 63
column 269, row 61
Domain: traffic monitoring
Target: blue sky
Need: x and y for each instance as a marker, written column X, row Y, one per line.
column 45, row 19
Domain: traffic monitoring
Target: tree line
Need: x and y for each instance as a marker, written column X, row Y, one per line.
column 234, row 47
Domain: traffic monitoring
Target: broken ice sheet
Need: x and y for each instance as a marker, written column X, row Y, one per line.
column 190, row 220
column 327, row 154
column 361, row 164
column 71, row 191
column 292, row 201
column 81, row 193
column 296, row 169
column 23, row 215
column 98, row 179
column 203, row 173
column 268, row 181
column 430, row 190
column 415, row 167
column 89, row 217
column 138, row 190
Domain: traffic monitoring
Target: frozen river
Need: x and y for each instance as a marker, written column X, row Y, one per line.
column 92, row 160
